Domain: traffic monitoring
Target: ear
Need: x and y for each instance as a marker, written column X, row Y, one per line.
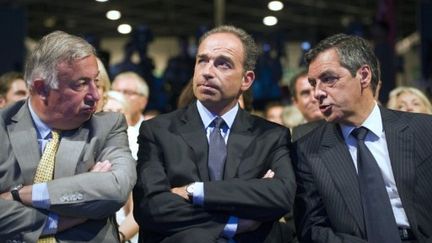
column 40, row 88
column 365, row 75
column 247, row 80
column 2, row 101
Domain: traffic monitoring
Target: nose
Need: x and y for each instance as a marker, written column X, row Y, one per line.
column 93, row 91
column 207, row 71
column 318, row 92
column 409, row 108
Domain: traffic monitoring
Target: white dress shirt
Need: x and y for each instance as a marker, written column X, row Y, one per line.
column 376, row 142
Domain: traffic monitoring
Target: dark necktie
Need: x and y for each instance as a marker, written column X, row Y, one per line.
column 217, row 151
column 378, row 214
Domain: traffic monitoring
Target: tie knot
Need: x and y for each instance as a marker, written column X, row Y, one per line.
column 218, row 123
column 360, row 133
column 55, row 134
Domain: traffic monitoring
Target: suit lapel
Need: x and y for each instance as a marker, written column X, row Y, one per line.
column 239, row 139
column 401, row 147
column 340, row 165
column 69, row 151
column 21, row 131
column 192, row 130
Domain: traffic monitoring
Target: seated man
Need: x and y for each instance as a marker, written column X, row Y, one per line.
column 64, row 172
column 211, row 171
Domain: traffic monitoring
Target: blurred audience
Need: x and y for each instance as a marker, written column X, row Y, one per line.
column 116, row 102
column 409, row 99
column 136, row 91
column 273, row 112
column 12, row 88
column 303, row 97
column 103, row 85
column 291, row 116
column 128, row 228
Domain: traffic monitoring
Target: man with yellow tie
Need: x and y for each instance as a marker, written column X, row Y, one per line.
column 64, row 171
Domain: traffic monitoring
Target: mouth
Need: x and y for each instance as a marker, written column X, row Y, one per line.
column 325, row 109
column 207, row 87
column 89, row 109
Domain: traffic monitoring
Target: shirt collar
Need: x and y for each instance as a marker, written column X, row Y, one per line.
column 373, row 122
column 207, row 117
column 43, row 129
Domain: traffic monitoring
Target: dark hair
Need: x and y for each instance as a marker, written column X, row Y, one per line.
column 353, row 52
column 293, row 82
column 6, row 81
column 250, row 48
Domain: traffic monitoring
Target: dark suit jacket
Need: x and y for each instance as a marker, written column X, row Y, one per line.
column 328, row 204
column 173, row 152
column 303, row 129
column 73, row 192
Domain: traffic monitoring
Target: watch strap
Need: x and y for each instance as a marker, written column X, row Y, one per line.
column 15, row 193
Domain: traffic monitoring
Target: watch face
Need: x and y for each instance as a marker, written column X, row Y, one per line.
column 18, row 187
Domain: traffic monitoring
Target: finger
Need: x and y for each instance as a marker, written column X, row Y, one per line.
column 96, row 167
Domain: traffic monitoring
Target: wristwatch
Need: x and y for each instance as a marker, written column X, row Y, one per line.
column 190, row 190
column 15, row 192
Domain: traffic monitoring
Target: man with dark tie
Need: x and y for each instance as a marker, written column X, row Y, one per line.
column 363, row 176
column 64, row 171
column 211, row 172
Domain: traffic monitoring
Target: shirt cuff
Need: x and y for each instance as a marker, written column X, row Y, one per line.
column 51, row 225
column 40, row 196
column 198, row 194
column 230, row 228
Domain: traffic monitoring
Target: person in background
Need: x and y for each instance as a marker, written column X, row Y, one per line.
column 103, row 85
column 128, row 228
column 116, row 102
column 291, row 116
column 64, row 171
column 12, row 88
column 211, row 172
column 364, row 175
column 273, row 112
column 409, row 99
column 303, row 98
column 137, row 92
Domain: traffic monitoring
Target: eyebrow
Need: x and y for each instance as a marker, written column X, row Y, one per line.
column 201, row 56
column 327, row 73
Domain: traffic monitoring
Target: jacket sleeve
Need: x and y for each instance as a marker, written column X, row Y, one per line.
column 249, row 196
column 97, row 195
column 156, row 208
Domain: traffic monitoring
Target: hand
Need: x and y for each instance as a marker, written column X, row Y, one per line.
column 6, row 196
column 247, row 225
column 181, row 191
column 25, row 194
column 269, row 175
column 103, row 166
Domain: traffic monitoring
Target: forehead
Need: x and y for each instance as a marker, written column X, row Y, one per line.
column 79, row 68
column 221, row 43
column 18, row 82
column 324, row 61
column 125, row 82
column 302, row 83
column 408, row 95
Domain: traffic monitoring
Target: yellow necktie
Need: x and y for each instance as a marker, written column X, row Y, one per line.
column 45, row 170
